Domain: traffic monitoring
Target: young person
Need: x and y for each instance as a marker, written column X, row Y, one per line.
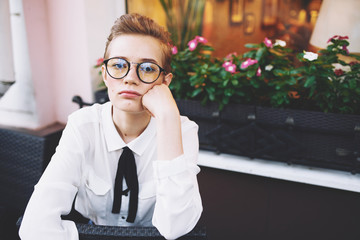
column 131, row 161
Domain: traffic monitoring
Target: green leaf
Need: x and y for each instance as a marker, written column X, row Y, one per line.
column 196, row 92
column 352, row 84
column 211, row 96
column 252, row 45
column 207, row 48
column 309, row 81
column 228, row 92
column 250, row 73
column 260, row 52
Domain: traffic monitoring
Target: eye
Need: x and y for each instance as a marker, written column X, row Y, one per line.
column 148, row 67
column 119, row 64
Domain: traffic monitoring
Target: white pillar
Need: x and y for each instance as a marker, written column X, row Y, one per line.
column 17, row 106
column 6, row 57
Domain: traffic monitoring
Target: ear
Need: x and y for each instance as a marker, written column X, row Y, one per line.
column 104, row 75
column 168, row 79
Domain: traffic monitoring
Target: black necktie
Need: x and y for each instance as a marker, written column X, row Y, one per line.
column 126, row 169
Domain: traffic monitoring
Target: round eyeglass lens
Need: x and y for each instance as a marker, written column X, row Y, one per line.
column 148, row 72
column 117, row 67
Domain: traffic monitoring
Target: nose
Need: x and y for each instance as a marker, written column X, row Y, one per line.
column 132, row 77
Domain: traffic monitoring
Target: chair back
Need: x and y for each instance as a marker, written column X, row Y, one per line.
column 92, row 232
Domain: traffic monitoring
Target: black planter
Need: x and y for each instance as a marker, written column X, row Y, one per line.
column 294, row 136
column 309, row 138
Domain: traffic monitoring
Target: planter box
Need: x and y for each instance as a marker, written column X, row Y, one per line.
column 308, row 138
column 294, row 136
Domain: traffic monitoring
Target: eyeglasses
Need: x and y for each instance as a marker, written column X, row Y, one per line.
column 147, row 72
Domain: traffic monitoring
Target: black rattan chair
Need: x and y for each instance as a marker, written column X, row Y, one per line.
column 92, row 232
column 97, row 232
column 24, row 154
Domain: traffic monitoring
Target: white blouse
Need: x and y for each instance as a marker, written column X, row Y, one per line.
column 85, row 163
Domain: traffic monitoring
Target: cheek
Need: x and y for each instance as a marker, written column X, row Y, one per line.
column 111, row 86
column 158, row 82
column 150, row 86
column 111, row 83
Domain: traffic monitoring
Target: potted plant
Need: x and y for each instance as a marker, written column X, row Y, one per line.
column 274, row 104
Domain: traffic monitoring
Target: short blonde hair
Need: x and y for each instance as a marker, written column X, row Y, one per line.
column 138, row 24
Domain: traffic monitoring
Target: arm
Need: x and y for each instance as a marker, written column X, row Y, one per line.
column 54, row 194
column 161, row 104
column 178, row 202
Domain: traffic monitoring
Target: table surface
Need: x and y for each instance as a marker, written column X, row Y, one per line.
column 40, row 132
column 279, row 170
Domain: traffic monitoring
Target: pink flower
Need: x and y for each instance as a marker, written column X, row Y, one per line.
column 200, row 39
column 334, row 37
column 174, row 50
column 258, row 72
column 345, row 49
column 337, row 37
column 229, row 67
column 226, row 64
column 248, row 62
column 268, row 42
column 99, row 62
column 192, row 44
column 230, row 55
column 339, row 72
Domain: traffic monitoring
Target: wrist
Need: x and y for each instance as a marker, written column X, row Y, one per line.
column 168, row 115
column 167, row 112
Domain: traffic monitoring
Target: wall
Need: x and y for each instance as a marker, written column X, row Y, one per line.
column 228, row 38
column 39, row 45
column 64, row 38
column 99, row 16
column 293, row 21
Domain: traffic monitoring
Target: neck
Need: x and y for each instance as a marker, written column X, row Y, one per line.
column 130, row 125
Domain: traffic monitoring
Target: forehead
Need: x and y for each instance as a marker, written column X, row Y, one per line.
column 136, row 47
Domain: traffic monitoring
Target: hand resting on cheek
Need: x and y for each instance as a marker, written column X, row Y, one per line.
column 159, row 101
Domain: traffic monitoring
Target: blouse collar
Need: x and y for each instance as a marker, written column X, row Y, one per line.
column 114, row 140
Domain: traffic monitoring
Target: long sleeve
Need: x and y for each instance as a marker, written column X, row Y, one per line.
column 85, row 164
column 178, row 203
column 54, row 193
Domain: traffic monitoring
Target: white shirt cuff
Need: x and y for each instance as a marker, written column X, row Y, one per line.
column 163, row 169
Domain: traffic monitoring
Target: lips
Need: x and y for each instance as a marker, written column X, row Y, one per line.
column 129, row 94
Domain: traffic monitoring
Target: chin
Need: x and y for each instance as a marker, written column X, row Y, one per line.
column 128, row 106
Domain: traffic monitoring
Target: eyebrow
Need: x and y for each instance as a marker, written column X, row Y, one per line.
column 141, row 60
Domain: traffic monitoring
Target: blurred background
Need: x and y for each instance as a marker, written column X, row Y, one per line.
column 49, row 48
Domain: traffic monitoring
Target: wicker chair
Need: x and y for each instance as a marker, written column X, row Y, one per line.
column 97, row 232
column 92, row 232
column 23, row 156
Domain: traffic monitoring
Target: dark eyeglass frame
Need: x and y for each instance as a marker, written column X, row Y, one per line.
column 129, row 66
